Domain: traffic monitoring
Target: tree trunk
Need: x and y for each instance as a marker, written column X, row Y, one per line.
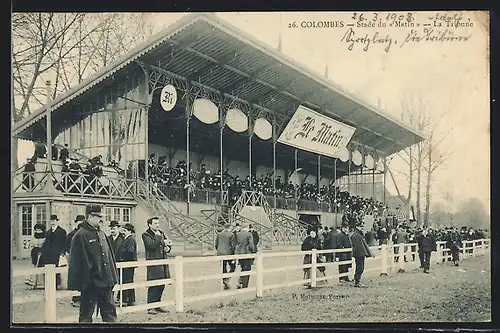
column 410, row 188
column 419, row 175
column 427, row 199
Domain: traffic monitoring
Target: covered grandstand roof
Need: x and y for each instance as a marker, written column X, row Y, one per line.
column 204, row 49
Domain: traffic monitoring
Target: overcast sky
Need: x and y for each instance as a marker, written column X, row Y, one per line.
column 452, row 78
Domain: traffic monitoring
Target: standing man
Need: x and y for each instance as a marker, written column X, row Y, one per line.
column 343, row 242
column 115, row 237
column 75, row 300
column 156, row 246
column 426, row 244
column 64, row 153
column 116, row 240
column 255, row 236
column 54, row 245
column 224, row 244
column 127, row 253
column 453, row 243
column 92, row 268
column 360, row 250
column 244, row 245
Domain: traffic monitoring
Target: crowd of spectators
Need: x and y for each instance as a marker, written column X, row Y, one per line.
column 164, row 176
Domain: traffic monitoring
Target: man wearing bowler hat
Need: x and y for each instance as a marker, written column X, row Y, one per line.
column 116, row 240
column 127, row 253
column 92, row 269
column 54, row 245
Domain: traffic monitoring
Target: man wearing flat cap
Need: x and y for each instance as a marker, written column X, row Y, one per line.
column 127, row 253
column 92, row 269
column 54, row 245
column 360, row 250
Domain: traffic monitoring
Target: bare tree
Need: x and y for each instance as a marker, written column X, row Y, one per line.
column 67, row 48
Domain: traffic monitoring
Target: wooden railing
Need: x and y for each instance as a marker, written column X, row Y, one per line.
column 385, row 260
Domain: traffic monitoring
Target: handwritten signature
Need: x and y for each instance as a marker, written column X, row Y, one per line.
column 447, row 18
column 352, row 39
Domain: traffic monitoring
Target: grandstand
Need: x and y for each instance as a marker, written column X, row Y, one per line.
column 190, row 128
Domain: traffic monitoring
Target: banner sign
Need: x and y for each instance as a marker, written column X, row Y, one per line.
column 314, row 132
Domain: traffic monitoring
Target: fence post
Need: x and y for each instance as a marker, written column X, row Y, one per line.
column 259, row 267
column 179, row 284
column 439, row 252
column 50, row 293
column 474, row 248
column 401, row 258
column 383, row 257
column 313, row 267
column 463, row 250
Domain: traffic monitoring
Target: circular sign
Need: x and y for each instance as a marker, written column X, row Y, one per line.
column 168, row 97
column 263, row 129
column 357, row 158
column 380, row 165
column 205, row 110
column 344, row 154
column 237, row 120
column 369, row 162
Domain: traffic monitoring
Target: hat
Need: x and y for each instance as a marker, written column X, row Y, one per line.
column 93, row 210
column 129, row 226
column 79, row 218
column 54, row 217
column 114, row 224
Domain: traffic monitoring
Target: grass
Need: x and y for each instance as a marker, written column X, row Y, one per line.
column 447, row 294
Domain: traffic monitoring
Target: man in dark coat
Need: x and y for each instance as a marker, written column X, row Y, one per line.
column 64, row 153
column 360, row 250
column 54, row 245
column 116, row 240
column 225, row 244
column 156, row 246
column 343, row 242
column 371, row 237
column 244, row 245
column 77, row 223
column 28, row 175
column 453, row 243
column 426, row 244
column 92, row 269
column 255, row 236
column 126, row 253
column 55, row 152
column 40, row 151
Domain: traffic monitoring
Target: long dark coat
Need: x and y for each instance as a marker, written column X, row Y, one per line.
column 308, row 244
column 54, row 245
column 117, row 244
column 128, row 252
column 426, row 243
column 154, row 245
column 343, row 242
column 91, row 260
column 360, row 247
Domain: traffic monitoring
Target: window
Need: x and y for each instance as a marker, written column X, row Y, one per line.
column 26, row 220
column 32, row 214
column 126, row 215
column 117, row 214
column 108, row 214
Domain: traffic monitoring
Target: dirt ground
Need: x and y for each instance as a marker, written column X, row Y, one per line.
column 446, row 294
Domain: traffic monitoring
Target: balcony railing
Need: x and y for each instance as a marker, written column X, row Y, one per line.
column 72, row 184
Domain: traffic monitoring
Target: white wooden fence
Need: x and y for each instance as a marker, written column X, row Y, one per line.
column 385, row 260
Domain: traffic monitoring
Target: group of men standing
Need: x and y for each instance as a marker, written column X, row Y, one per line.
column 345, row 236
column 92, row 258
column 237, row 240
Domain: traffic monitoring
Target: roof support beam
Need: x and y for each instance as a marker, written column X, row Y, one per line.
column 224, row 60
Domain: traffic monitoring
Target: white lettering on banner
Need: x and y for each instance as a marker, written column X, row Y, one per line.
column 314, row 132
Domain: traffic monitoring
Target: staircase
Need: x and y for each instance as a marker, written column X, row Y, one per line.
column 288, row 230
column 217, row 217
column 180, row 227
